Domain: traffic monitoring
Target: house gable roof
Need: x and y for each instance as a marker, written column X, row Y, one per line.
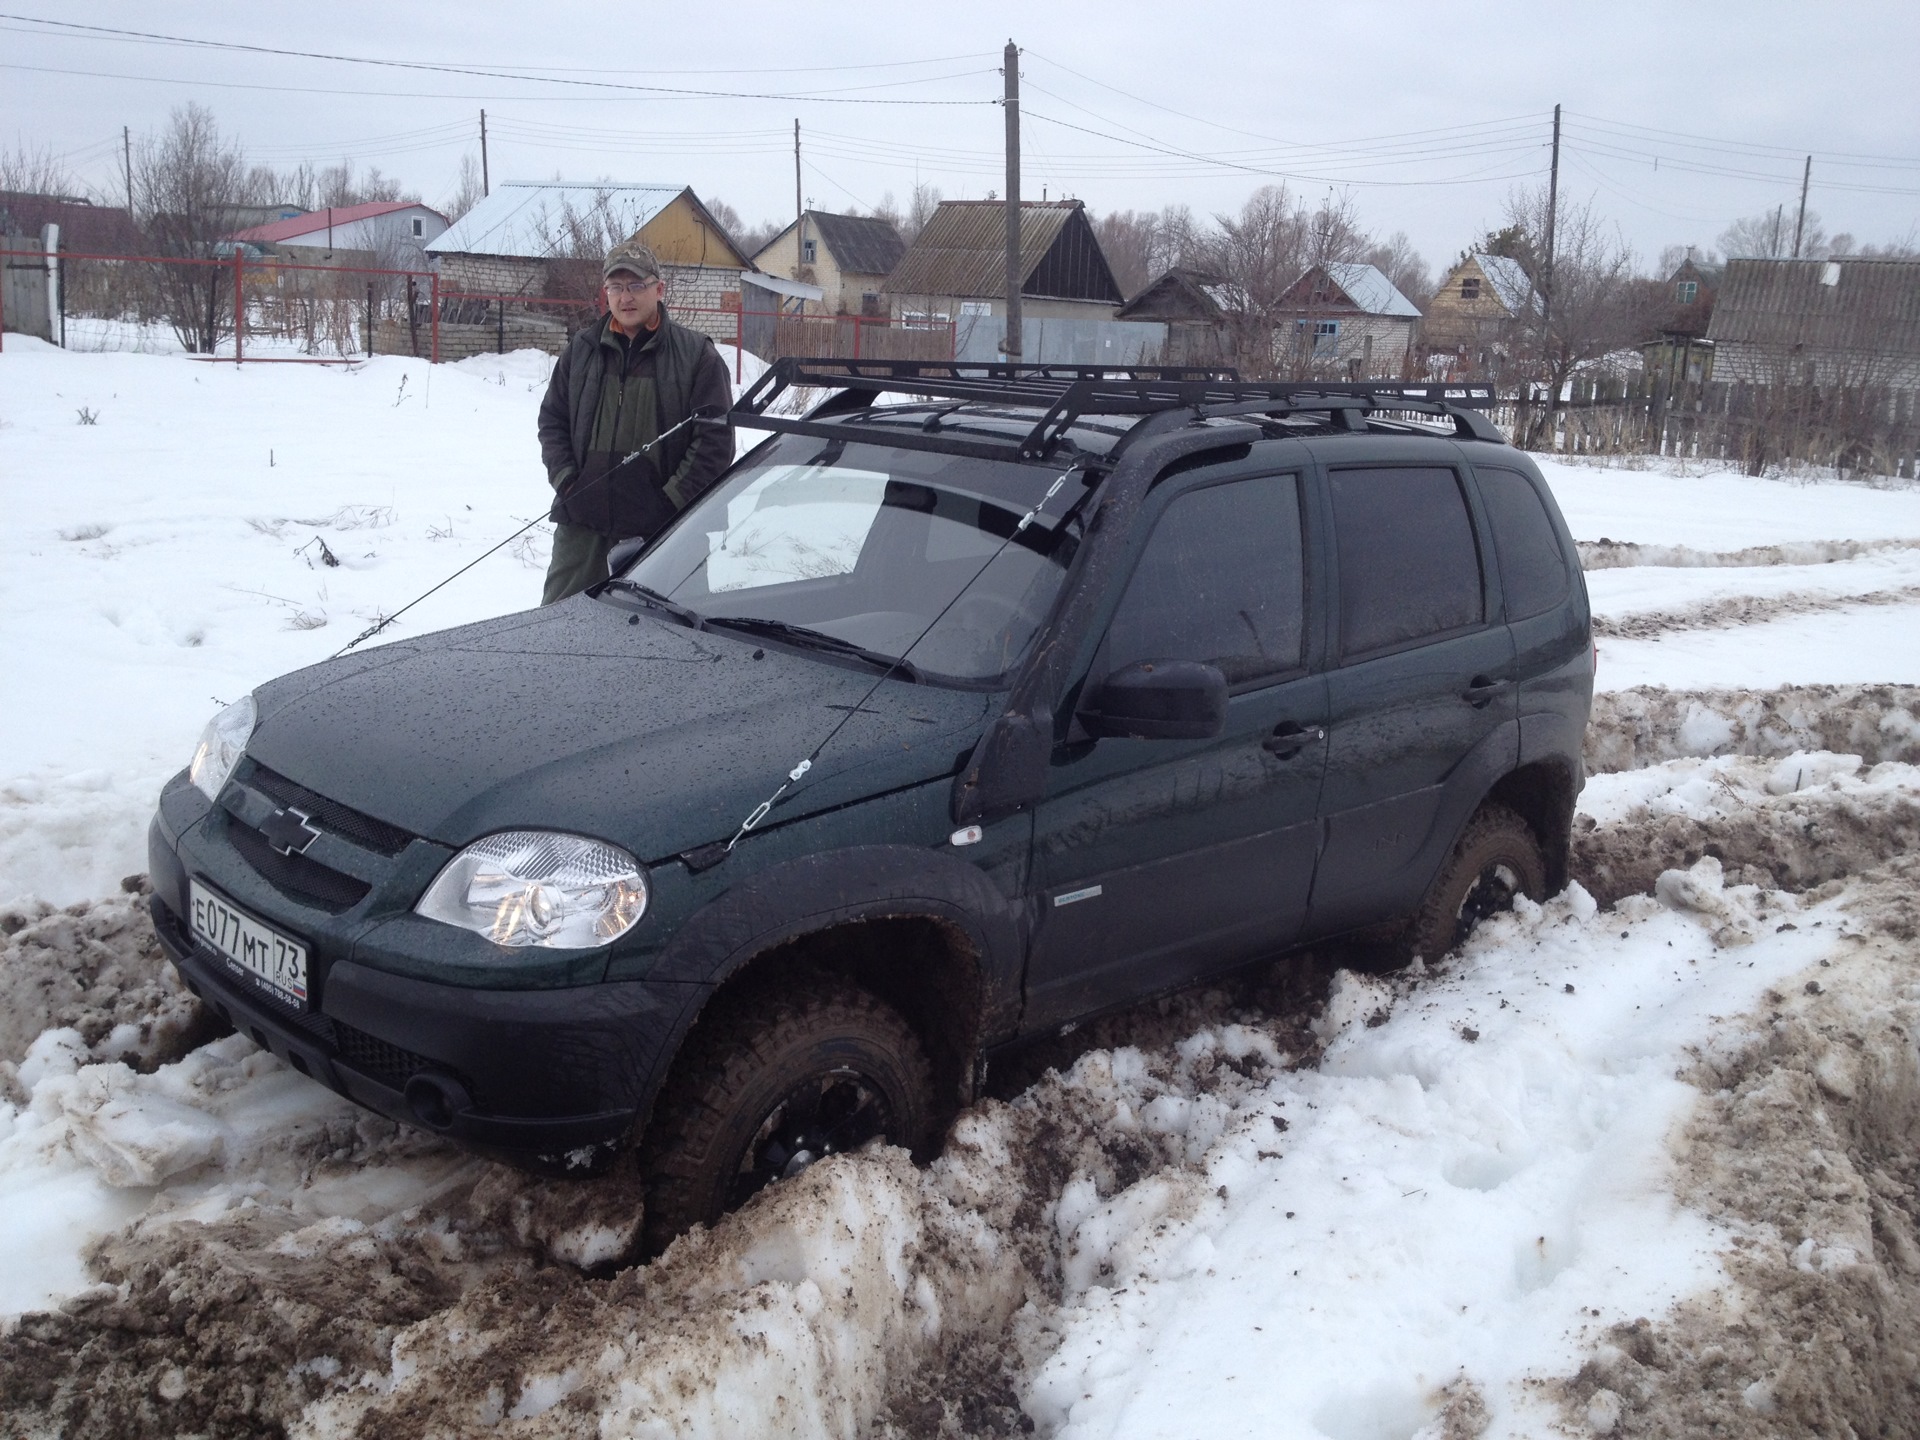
column 317, row 222
column 529, row 220
column 1509, row 280
column 1867, row 307
column 961, row 251
column 861, row 244
column 1363, row 288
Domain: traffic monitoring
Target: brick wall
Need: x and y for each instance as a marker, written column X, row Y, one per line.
column 704, row 298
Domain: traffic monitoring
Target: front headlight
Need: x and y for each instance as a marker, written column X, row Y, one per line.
column 536, row 887
column 221, row 745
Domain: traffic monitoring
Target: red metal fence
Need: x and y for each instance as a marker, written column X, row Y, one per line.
column 251, row 310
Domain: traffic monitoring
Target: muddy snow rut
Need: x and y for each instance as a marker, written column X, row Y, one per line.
column 308, row 1270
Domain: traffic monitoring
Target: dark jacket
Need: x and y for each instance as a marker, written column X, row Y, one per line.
column 688, row 374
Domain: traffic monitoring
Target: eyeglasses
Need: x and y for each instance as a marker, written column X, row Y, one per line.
column 637, row 287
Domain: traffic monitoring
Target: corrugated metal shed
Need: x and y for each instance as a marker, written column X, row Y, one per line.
column 962, row 251
column 1371, row 291
column 523, row 218
column 1865, row 307
column 860, row 244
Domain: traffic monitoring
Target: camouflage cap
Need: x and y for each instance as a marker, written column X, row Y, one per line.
column 632, row 256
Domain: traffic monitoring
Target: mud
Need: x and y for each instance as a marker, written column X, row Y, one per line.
column 94, row 968
column 1735, row 610
column 865, row 1296
column 1794, row 841
column 1806, row 1144
column 1607, row 554
column 1632, row 729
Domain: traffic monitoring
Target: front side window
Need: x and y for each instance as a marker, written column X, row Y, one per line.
column 902, row 553
column 1409, row 564
column 1470, row 289
column 1220, row 581
column 1685, row 291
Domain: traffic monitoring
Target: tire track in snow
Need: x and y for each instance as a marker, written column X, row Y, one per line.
column 1731, row 611
column 1607, row 554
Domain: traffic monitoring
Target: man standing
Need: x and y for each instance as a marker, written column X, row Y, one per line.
column 619, row 455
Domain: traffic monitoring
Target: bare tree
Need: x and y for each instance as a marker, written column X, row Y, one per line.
column 1769, row 236
column 187, row 183
column 920, row 207
column 24, row 171
column 1592, row 304
column 1396, row 258
column 467, row 190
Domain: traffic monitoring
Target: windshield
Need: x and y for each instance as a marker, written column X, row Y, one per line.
column 902, row 553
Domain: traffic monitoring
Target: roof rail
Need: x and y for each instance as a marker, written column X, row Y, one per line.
column 1067, row 393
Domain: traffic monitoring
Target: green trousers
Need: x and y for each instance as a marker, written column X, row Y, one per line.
column 579, row 560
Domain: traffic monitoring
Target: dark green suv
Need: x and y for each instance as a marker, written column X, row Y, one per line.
column 977, row 701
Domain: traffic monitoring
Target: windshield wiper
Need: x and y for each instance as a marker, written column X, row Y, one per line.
column 812, row 639
column 693, row 619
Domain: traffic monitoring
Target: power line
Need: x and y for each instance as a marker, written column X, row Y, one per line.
column 487, row 73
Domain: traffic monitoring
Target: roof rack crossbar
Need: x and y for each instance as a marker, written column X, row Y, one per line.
column 1067, row 393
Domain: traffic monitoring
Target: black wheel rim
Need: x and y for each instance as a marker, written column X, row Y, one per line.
column 1492, row 891
column 826, row 1114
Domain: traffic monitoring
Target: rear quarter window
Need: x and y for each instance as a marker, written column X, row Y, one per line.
column 1533, row 569
column 1409, row 563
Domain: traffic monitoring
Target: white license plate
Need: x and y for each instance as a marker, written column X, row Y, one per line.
column 277, row 961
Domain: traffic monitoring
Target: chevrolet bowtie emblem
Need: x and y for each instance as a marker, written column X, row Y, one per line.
column 290, row 831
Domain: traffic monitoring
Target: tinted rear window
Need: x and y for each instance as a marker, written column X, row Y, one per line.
column 1533, row 571
column 1409, row 567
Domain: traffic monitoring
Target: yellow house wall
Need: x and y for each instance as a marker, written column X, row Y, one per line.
column 679, row 235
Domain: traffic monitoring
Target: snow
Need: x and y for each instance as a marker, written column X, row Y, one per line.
column 1435, row 1204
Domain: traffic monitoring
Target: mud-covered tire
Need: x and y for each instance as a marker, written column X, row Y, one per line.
column 1497, row 857
column 728, row 1120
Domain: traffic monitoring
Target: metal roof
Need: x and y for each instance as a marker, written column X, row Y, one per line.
column 315, row 222
column 1868, row 307
column 1371, row 291
column 962, row 248
column 528, row 218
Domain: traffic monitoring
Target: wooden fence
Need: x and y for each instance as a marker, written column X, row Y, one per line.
column 1741, row 425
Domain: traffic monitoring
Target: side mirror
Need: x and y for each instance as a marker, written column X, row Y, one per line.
column 1158, row 700
column 624, row 553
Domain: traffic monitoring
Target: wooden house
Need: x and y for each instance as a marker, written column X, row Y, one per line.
column 956, row 266
column 1842, row 322
column 848, row 256
column 1344, row 322
column 1203, row 315
column 388, row 234
column 531, row 239
column 1475, row 319
column 1679, row 351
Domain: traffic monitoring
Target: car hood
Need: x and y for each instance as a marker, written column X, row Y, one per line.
column 587, row 717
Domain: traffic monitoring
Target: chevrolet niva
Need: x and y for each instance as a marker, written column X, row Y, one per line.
column 976, row 701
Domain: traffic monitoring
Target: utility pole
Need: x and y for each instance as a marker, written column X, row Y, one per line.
column 485, row 188
column 799, row 209
column 1800, row 225
column 126, row 142
column 1012, row 72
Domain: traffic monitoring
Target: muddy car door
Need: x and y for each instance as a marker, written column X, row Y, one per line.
column 1421, row 708
column 1158, row 860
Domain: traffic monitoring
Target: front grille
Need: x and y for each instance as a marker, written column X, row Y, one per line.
column 388, row 1062
column 307, row 881
column 349, row 824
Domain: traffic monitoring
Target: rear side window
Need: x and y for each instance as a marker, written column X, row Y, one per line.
column 1221, row 580
column 1533, row 571
column 1409, row 566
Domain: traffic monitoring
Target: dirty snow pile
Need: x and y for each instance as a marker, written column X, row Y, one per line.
column 1639, row 1160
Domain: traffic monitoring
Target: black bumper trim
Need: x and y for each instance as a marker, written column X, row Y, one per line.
column 297, row 1040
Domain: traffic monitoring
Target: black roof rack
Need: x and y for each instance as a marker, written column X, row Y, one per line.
column 1067, row 393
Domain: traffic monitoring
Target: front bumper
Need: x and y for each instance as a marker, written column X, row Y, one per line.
column 549, row 1079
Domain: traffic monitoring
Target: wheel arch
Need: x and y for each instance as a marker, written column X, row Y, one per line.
column 1542, row 794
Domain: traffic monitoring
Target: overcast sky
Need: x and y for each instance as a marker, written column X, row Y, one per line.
column 1678, row 117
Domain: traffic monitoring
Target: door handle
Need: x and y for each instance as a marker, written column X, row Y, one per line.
column 1481, row 691
column 1289, row 739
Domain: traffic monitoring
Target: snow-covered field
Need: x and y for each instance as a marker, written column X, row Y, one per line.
column 1639, row 1161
